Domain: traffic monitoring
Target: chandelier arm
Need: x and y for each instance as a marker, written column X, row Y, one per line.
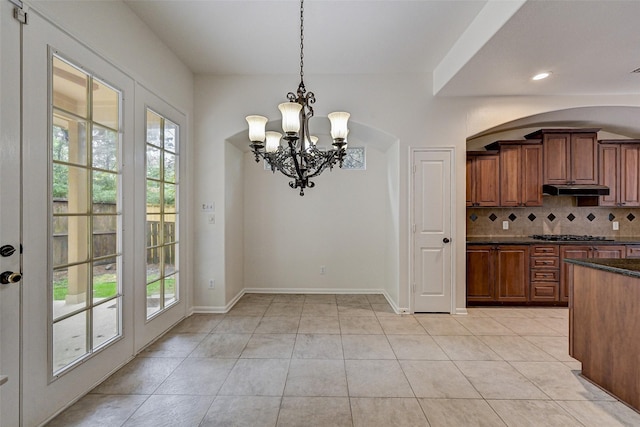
column 329, row 162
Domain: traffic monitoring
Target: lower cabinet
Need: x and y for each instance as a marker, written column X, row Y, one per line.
column 498, row 273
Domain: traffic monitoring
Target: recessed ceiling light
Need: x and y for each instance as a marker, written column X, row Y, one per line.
column 541, row 76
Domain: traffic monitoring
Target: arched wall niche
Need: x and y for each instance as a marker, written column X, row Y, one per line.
column 614, row 122
column 277, row 241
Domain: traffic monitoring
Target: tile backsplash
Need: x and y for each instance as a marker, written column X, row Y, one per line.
column 559, row 215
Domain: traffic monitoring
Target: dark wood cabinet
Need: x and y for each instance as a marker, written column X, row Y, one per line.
column 483, row 178
column 497, row 273
column 512, row 273
column 480, row 273
column 520, row 172
column 584, row 252
column 570, row 155
column 619, row 166
column 545, row 273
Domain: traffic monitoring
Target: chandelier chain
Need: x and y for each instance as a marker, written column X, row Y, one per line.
column 301, row 39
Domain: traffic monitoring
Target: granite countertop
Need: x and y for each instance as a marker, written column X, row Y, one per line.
column 628, row 266
column 527, row 240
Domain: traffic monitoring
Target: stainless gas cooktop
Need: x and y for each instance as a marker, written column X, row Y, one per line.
column 570, row 237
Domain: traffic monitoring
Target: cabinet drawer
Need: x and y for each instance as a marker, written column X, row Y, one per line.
column 545, row 250
column 633, row 251
column 544, row 291
column 545, row 275
column 548, row 263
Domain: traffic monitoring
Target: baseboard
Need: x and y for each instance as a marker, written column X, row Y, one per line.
column 462, row 311
column 219, row 309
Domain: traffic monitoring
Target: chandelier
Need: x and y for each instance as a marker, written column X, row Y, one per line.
column 300, row 158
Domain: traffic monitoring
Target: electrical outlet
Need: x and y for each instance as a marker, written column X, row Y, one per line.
column 211, row 219
column 212, row 283
column 323, row 269
column 505, row 225
column 616, row 225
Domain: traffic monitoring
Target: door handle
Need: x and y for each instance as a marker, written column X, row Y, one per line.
column 446, row 240
column 10, row 277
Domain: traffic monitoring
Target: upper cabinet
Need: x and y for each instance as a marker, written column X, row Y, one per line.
column 570, row 155
column 520, row 172
column 620, row 171
column 483, row 178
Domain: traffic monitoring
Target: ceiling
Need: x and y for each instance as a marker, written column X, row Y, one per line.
column 474, row 47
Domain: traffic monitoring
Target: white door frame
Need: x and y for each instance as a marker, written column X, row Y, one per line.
column 411, row 199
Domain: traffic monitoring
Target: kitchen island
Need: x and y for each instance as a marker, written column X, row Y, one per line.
column 604, row 324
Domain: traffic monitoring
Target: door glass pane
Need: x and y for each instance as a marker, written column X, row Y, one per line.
column 169, row 167
column 169, row 259
column 69, row 139
column 70, row 287
column 105, row 187
column 105, row 320
column 153, row 162
column 105, row 235
column 69, row 88
column 69, row 340
column 153, row 264
column 105, row 105
column 170, row 231
column 170, row 287
column 71, row 242
column 105, row 279
column 105, row 149
column 170, row 198
column 153, row 128
column 153, row 194
column 170, row 136
column 153, row 298
column 70, row 184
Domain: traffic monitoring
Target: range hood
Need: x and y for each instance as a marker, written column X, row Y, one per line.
column 584, row 190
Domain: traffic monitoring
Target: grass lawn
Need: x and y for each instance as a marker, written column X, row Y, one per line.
column 104, row 286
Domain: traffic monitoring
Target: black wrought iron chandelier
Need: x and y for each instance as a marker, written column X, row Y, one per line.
column 301, row 160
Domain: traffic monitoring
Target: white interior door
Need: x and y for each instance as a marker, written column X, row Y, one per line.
column 432, row 230
column 66, row 351
column 9, row 216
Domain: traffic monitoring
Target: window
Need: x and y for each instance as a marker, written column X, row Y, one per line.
column 86, row 257
column 161, row 212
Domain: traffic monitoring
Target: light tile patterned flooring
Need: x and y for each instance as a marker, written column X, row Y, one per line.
column 347, row 360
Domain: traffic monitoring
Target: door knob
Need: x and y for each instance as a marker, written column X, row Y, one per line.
column 446, row 240
column 10, row 277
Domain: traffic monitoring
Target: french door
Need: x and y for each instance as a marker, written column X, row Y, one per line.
column 77, row 162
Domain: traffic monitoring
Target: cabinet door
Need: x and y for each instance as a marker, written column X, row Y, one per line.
column 584, row 158
column 487, row 180
column 556, row 158
column 629, row 175
column 609, row 251
column 512, row 269
column 531, row 175
column 609, row 173
column 566, row 273
column 480, row 273
column 510, row 175
column 470, row 181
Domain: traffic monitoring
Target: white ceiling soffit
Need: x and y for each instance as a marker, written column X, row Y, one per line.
column 591, row 47
column 240, row 37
